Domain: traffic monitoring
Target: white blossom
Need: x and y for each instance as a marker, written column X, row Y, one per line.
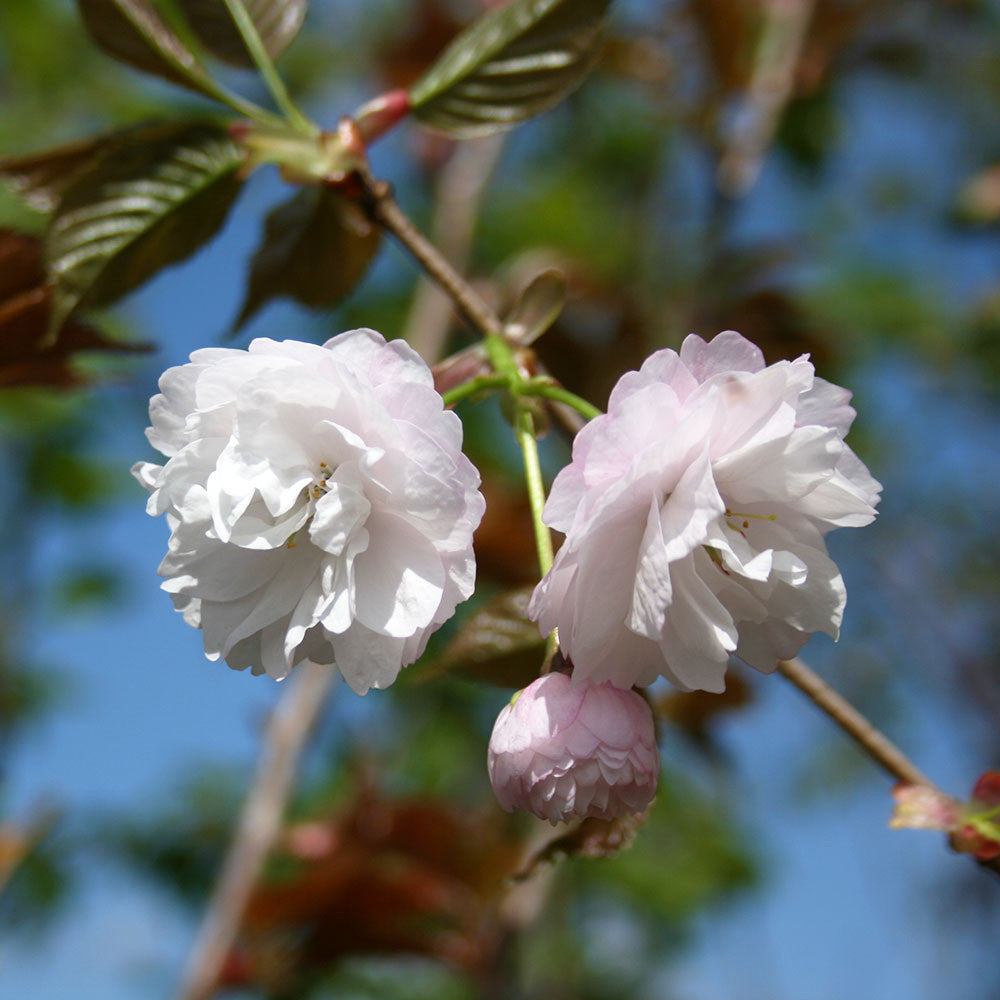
column 695, row 512
column 562, row 750
column 319, row 504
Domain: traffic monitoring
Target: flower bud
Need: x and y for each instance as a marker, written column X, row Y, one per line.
column 564, row 749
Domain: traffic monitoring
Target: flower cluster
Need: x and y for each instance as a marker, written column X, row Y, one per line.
column 320, row 507
column 319, row 504
column 694, row 513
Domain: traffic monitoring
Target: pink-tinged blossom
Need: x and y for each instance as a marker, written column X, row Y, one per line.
column 695, row 512
column 562, row 750
column 319, row 504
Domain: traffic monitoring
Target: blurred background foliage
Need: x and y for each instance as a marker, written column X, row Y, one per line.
column 821, row 176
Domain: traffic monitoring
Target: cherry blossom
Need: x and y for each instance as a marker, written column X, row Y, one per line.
column 319, row 504
column 695, row 512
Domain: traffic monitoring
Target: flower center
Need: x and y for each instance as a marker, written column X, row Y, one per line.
column 743, row 520
column 319, row 488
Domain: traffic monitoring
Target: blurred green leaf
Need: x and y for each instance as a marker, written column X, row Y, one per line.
column 89, row 589
column 316, row 247
column 155, row 202
column 497, row 644
column 133, row 32
column 277, row 22
column 515, row 62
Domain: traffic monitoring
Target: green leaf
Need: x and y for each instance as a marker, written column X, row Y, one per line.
column 498, row 644
column 277, row 22
column 515, row 62
column 316, row 247
column 133, row 32
column 130, row 215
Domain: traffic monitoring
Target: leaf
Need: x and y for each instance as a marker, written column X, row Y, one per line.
column 152, row 204
column 537, row 307
column 498, row 644
column 277, row 22
column 133, row 32
column 316, row 247
column 516, row 61
column 40, row 178
column 25, row 306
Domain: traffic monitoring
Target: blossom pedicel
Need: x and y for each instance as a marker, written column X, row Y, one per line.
column 694, row 513
column 319, row 504
column 563, row 749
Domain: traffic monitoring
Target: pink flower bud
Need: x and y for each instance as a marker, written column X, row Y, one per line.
column 562, row 749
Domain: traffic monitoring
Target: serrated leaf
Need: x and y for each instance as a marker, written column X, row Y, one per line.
column 277, row 22
column 316, row 247
column 133, row 32
column 498, row 643
column 155, row 202
column 515, row 62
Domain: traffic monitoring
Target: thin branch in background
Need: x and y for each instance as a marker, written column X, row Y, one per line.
column 457, row 197
column 284, row 741
column 875, row 743
column 772, row 83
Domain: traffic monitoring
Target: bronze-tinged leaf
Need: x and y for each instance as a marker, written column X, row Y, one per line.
column 277, row 22
column 381, row 875
column 153, row 203
column 40, row 178
column 432, row 26
column 497, row 644
column 134, row 33
column 25, row 306
column 518, row 60
column 315, row 249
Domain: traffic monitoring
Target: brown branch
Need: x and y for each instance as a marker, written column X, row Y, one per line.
column 383, row 209
column 873, row 741
column 287, row 732
column 457, row 196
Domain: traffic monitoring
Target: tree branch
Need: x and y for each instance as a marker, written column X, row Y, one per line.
column 287, row 732
column 382, row 207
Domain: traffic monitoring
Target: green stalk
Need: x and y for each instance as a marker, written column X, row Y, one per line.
column 248, row 32
column 479, row 384
column 525, row 430
column 560, row 395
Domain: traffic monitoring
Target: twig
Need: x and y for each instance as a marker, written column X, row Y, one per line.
column 771, row 85
column 457, row 196
column 383, row 209
column 875, row 743
column 287, row 732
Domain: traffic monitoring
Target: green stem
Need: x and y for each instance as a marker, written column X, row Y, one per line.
column 251, row 37
column 525, row 430
column 558, row 394
column 479, row 384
